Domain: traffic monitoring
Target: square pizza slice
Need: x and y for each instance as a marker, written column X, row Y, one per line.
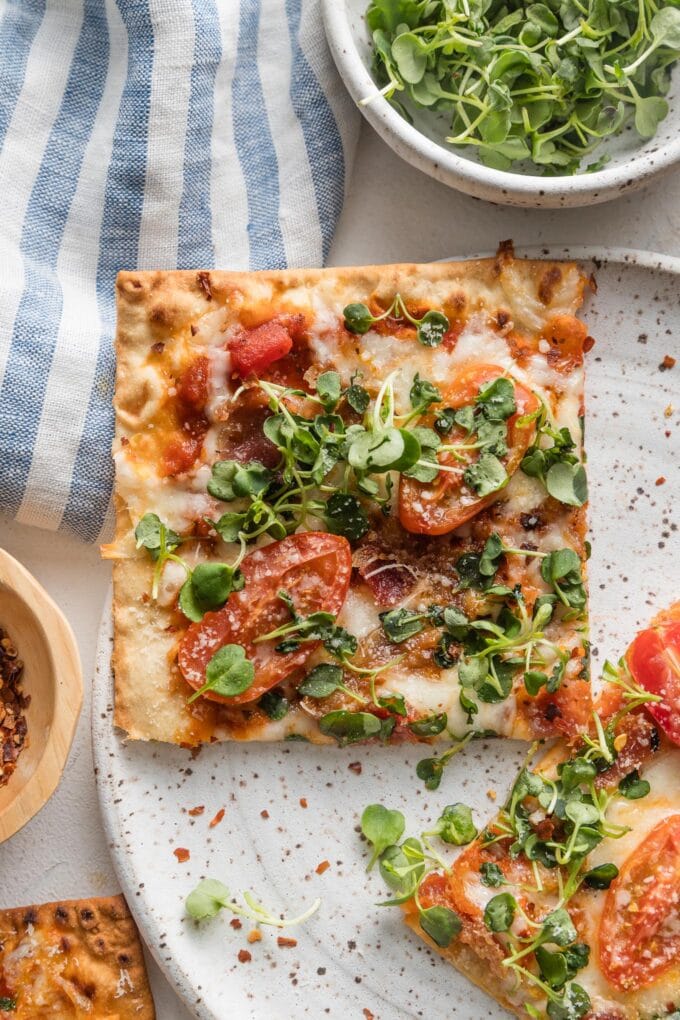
column 351, row 503
column 567, row 905
column 73, row 960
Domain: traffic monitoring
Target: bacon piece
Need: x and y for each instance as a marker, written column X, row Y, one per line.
column 241, row 437
column 390, row 582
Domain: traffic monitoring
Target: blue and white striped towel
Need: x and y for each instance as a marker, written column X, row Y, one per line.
column 148, row 134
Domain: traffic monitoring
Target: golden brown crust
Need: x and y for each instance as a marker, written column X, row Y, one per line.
column 73, row 960
column 158, row 313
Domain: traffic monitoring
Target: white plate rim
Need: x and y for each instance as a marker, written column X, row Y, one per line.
column 102, row 693
column 473, row 178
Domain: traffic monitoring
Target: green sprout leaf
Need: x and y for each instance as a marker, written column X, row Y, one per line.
column 382, row 828
column 349, row 727
column 455, row 825
column 148, row 535
column 632, row 787
column 322, row 681
column 441, row 923
column 499, row 912
column 429, row 726
column 345, row 516
column 491, row 875
column 229, row 673
column 601, row 877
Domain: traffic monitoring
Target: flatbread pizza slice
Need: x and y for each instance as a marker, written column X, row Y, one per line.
column 73, row 960
column 567, row 905
column 351, row 503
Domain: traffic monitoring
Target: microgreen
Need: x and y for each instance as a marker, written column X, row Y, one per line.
column 349, row 727
column 274, row 705
column 431, row 327
column 324, row 680
column 600, row 877
column 441, row 923
column 208, row 587
column 228, row 673
column 499, row 912
column 8, row 1005
column 491, row 875
column 429, row 726
column 345, row 516
column 211, row 896
column 543, row 82
column 381, row 827
column 632, row 787
column 455, row 825
column 556, row 465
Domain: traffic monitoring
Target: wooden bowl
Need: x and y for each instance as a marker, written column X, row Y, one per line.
column 53, row 678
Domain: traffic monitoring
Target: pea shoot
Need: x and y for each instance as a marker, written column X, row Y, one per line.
column 211, row 896
column 404, row 866
column 542, row 83
column 556, row 465
column 207, row 586
column 431, row 328
column 229, row 673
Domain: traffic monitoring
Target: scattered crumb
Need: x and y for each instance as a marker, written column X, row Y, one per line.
column 667, row 363
column 182, row 854
column 355, row 766
column 660, row 480
column 217, row 819
column 254, row 936
column 244, row 956
column 286, row 943
column 620, row 742
column 367, row 1014
column 491, row 794
column 303, row 802
column 235, row 923
column 198, row 810
column 264, row 814
column 668, row 411
column 324, row 866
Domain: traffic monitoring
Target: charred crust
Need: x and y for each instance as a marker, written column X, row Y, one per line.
column 548, row 283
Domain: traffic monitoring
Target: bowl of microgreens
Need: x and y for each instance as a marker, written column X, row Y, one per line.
column 560, row 103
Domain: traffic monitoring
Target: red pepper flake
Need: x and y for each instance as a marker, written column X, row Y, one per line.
column 235, row 923
column 254, row 936
column 588, row 344
column 264, row 814
column 198, row 810
column 182, row 854
column 204, row 284
column 286, row 943
column 667, row 363
column 355, row 767
column 324, row 866
column 660, row 480
column 217, row 819
column 244, row 956
column 303, row 802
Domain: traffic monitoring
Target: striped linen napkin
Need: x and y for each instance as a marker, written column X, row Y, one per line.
column 142, row 134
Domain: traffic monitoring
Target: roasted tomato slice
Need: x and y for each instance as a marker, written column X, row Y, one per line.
column 654, row 661
column 313, row 568
column 254, row 350
column 440, row 506
column 639, row 936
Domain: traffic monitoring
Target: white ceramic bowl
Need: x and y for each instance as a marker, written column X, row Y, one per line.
column 632, row 164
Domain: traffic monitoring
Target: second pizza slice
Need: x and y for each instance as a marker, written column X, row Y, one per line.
column 351, row 503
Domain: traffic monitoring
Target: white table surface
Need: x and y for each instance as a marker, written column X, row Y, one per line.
column 393, row 213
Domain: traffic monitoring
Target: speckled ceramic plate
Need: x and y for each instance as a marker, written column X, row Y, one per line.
column 632, row 162
column 289, row 808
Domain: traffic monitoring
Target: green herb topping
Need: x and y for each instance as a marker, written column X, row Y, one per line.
column 540, row 82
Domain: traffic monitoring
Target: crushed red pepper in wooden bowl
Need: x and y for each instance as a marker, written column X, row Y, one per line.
column 13, row 705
